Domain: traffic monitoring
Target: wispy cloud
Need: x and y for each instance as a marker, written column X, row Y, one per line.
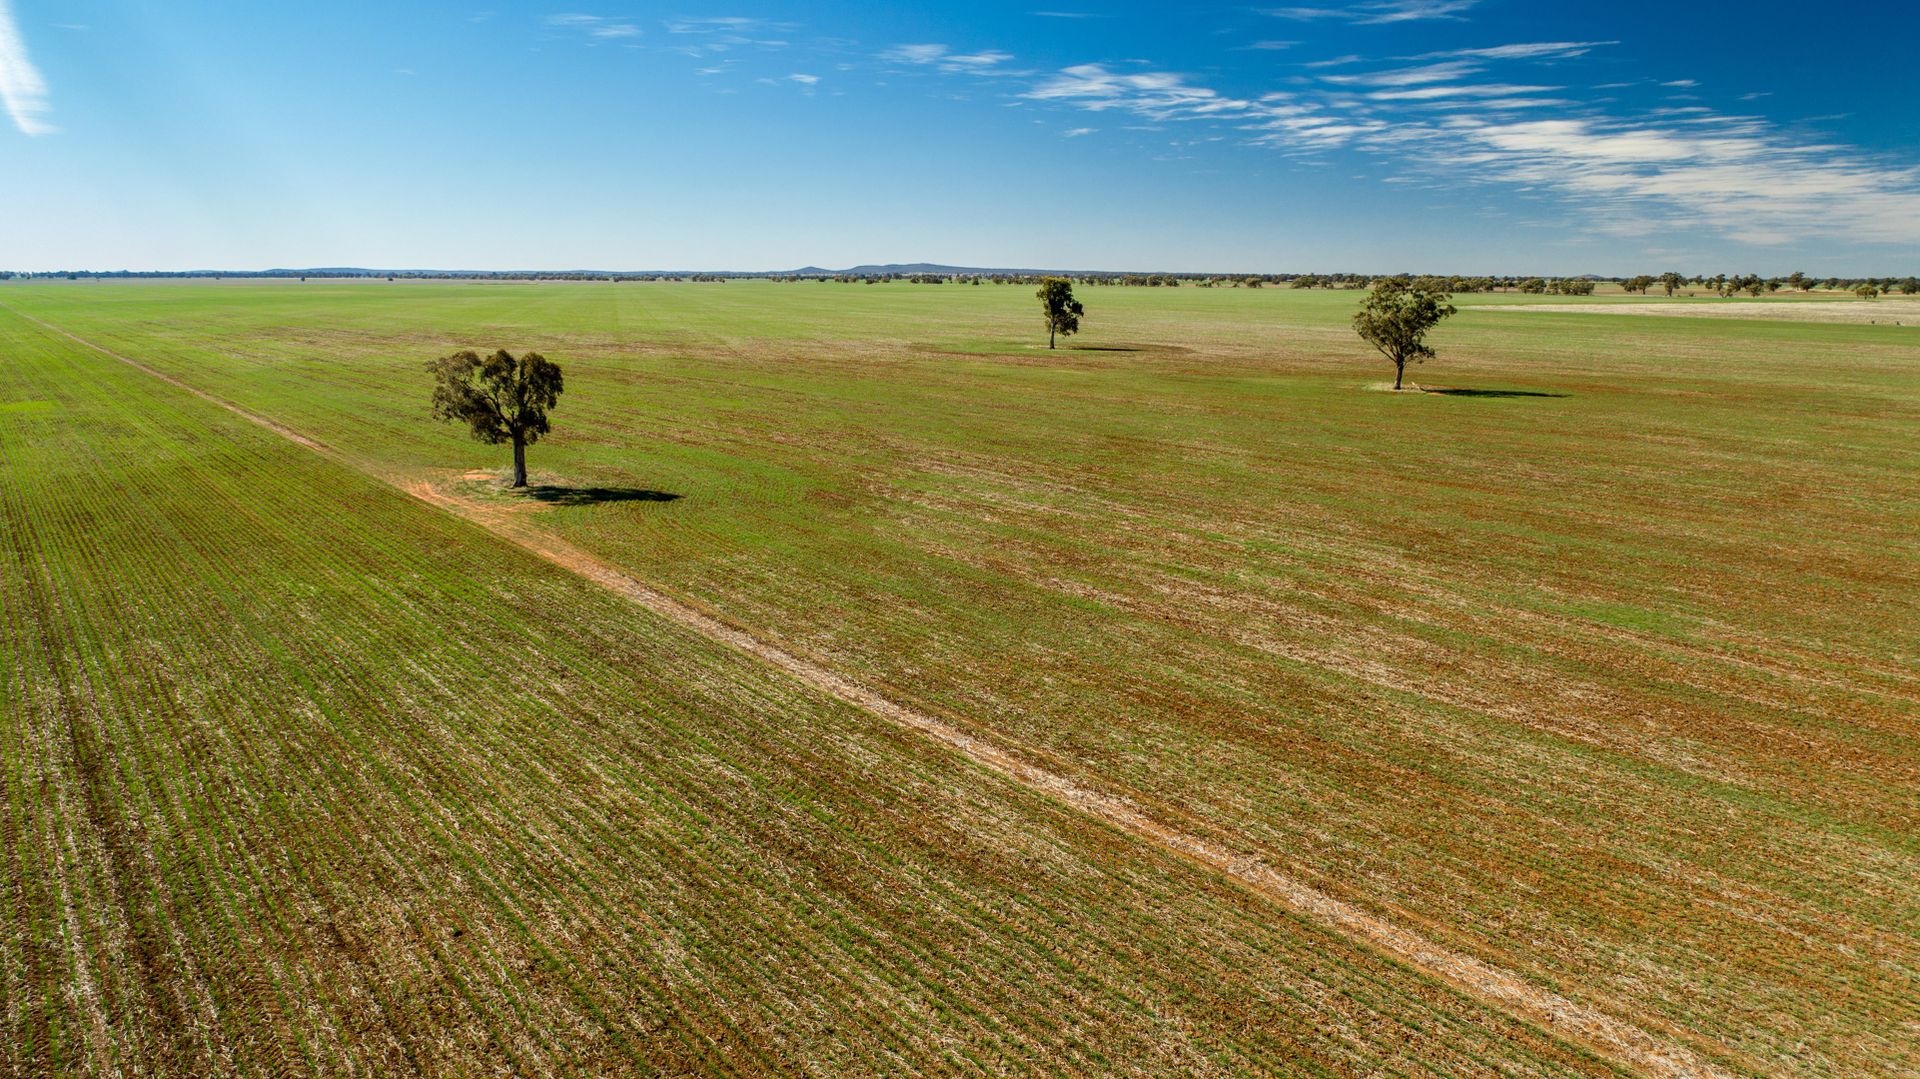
column 1158, row 95
column 1409, row 76
column 599, row 26
column 1078, row 132
column 22, row 90
column 1535, row 50
column 708, row 35
column 1376, row 12
column 1431, row 93
column 1735, row 175
column 1444, row 123
column 945, row 59
column 726, row 24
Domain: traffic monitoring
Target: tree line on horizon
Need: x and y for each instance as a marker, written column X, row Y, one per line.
column 1671, row 282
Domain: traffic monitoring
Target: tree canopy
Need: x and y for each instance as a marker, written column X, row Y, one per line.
column 1062, row 311
column 499, row 398
column 1395, row 318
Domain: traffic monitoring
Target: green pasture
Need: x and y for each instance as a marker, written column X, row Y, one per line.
column 1599, row 663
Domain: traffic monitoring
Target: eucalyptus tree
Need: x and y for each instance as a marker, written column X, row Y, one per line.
column 1061, row 310
column 1395, row 318
column 500, row 398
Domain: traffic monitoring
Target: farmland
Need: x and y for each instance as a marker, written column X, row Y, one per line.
column 1596, row 670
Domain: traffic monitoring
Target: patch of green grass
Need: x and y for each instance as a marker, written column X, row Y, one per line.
column 303, row 776
column 1615, row 688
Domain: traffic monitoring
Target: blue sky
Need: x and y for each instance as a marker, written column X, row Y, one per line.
column 1436, row 135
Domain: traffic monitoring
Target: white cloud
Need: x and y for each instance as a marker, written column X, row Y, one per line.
column 708, row 35
column 1429, row 93
column 22, row 90
column 1158, row 95
column 915, row 54
column 598, row 26
column 725, row 24
column 1376, row 12
column 984, row 62
column 1449, row 119
column 804, row 80
column 1738, row 177
column 1409, row 76
column 1671, row 169
column 1537, row 50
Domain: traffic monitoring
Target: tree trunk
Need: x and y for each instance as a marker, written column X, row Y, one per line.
column 1049, row 336
column 1399, row 368
column 519, row 462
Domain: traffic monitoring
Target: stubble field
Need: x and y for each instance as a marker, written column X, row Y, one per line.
column 1574, row 709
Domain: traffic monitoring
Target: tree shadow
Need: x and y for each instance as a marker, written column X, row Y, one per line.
column 594, row 496
column 1101, row 348
column 1495, row 393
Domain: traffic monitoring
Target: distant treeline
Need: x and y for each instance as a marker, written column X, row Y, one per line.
column 1670, row 283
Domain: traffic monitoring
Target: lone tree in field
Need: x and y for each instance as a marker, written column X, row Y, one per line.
column 1395, row 318
column 499, row 398
column 1061, row 309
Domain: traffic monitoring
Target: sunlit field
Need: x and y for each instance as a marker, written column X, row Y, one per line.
column 862, row 686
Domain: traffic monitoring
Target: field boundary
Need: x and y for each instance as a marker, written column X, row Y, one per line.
column 1503, row 990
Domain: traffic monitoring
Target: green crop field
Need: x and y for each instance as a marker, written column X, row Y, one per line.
column 863, row 687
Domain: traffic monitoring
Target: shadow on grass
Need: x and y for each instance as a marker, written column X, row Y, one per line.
column 594, row 496
column 1495, row 393
column 1101, row 348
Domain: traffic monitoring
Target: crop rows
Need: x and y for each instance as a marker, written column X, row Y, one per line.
column 1615, row 689
column 302, row 777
